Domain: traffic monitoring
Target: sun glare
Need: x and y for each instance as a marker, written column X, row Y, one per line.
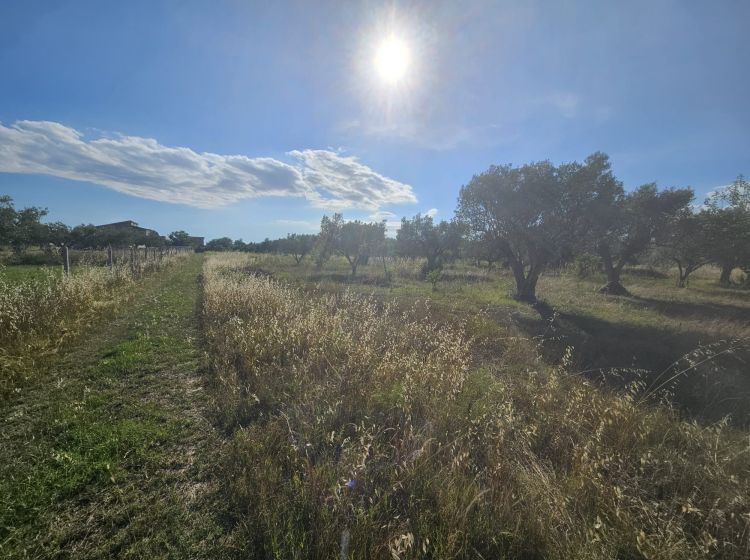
column 392, row 60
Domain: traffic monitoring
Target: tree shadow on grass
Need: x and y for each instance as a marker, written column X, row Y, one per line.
column 616, row 354
column 364, row 279
column 740, row 293
column 707, row 311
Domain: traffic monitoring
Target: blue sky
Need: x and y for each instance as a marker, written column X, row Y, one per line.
column 253, row 119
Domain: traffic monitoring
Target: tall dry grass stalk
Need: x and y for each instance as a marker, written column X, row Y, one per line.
column 37, row 314
column 351, row 424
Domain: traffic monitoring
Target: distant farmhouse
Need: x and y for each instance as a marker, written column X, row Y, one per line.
column 131, row 231
column 128, row 227
column 120, row 234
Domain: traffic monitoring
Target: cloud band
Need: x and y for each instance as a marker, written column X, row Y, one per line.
column 145, row 168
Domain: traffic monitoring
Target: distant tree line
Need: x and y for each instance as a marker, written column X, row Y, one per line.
column 529, row 218
column 537, row 216
column 21, row 229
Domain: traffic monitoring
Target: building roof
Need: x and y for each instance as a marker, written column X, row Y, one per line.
column 128, row 224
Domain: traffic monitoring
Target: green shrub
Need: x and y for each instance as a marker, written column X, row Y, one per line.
column 433, row 277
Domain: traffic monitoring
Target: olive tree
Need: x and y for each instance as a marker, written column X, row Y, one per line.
column 421, row 237
column 298, row 245
column 354, row 240
column 179, row 238
column 326, row 239
column 689, row 243
column 728, row 210
column 220, row 244
column 479, row 250
column 627, row 227
column 7, row 220
column 358, row 240
column 20, row 228
column 537, row 214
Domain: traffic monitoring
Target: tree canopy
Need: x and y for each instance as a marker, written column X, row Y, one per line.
column 728, row 212
column 537, row 214
column 354, row 240
column 421, row 237
column 634, row 220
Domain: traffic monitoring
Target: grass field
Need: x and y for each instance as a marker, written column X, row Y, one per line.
column 103, row 454
column 362, row 417
column 241, row 406
column 40, row 309
column 21, row 272
column 657, row 329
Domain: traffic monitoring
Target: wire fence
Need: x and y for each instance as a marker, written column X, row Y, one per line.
column 134, row 257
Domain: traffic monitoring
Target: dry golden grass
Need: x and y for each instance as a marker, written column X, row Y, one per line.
column 38, row 313
column 358, row 425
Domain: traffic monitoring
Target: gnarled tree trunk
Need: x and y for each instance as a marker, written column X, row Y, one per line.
column 613, row 286
column 684, row 273
column 353, row 262
column 525, row 281
column 726, row 274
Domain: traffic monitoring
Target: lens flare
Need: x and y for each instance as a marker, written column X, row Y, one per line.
column 392, row 60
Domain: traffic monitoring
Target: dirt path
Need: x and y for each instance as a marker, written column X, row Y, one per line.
column 109, row 455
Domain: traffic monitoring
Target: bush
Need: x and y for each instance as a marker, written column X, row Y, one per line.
column 40, row 258
column 434, row 276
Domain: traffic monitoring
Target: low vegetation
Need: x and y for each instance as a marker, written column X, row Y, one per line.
column 40, row 311
column 527, row 380
column 105, row 453
column 365, row 426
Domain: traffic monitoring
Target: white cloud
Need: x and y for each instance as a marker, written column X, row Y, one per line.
column 343, row 182
column 381, row 215
column 393, row 221
column 434, row 136
column 307, row 225
column 566, row 103
column 143, row 167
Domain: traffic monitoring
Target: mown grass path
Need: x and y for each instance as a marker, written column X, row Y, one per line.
column 108, row 454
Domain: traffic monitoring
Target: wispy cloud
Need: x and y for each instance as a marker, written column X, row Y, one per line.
column 305, row 225
column 432, row 136
column 393, row 221
column 145, row 168
column 570, row 105
column 564, row 102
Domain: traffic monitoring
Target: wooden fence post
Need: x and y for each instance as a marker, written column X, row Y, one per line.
column 110, row 258
column 66, row 260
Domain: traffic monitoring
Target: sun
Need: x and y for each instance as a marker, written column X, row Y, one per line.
column 392, row 60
